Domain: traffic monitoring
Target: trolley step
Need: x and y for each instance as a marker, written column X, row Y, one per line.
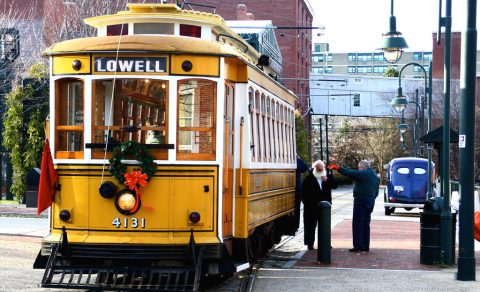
column 123, row 279
column 60, row 274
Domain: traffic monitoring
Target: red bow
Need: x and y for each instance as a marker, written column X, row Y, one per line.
column 136, row 181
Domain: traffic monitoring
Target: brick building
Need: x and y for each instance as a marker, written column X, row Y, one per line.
column 295, row 45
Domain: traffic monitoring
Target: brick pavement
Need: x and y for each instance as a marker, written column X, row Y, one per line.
column 394, row 245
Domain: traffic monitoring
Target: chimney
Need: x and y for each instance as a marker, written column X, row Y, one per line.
column 241, row 12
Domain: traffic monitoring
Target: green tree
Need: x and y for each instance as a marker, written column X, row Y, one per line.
column 391, row 72
column 302, row 138
column 23, row 128
column 13, row 138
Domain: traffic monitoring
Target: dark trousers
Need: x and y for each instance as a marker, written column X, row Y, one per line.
column 309, row 225
column 362, row 210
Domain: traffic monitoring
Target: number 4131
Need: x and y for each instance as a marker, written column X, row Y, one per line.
column 129, row 222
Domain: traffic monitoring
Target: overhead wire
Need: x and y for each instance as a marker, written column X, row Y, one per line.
column 112, row 97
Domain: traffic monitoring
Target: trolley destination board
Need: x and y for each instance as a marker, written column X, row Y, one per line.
column 122, row 64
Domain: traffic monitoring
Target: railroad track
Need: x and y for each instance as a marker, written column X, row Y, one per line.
column 244, row 280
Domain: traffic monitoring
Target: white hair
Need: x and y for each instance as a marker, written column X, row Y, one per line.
column 317, row 162
column 365, row 163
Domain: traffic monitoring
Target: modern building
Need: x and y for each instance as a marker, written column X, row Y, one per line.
column 359, row 96
column 364, row 63
column 295, row 44
column 260, row 35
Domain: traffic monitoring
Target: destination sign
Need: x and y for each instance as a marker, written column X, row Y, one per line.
column 131, row 64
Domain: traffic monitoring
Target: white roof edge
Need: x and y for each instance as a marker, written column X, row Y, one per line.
column 309, row 6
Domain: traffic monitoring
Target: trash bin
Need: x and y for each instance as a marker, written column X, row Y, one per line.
column 430, row 222
column 33, row 179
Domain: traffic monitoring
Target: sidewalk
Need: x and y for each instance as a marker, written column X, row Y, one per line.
column 393, row 246
column 18, row 222
column 393, row 264
column 20, row 210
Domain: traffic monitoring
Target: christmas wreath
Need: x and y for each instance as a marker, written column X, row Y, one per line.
column 136, row 177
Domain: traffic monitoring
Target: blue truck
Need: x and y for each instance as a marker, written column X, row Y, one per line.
column 407, row 184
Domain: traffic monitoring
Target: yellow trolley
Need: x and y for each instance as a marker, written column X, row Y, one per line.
column 178, row 95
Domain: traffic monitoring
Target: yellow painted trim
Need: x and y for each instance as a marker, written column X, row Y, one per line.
column 63, row 64
column 165, row 222
column 274, row 192
column 155, row 12
column 142, row 44
column 202, row 65
column 235, row 70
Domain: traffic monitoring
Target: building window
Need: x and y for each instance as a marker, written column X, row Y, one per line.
column 364, row 57
column 380, row 69
column 417, row 56
column 378, row 57
column 356, row 100
column 329, row 69
column 318, row 58
column 427, row 56
column 352, row 57
column 352, row 69
column 419, row 69
column 317, row 48
column 364, row 69
column 329, row 58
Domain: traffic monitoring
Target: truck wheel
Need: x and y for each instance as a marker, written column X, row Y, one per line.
column 389, row 211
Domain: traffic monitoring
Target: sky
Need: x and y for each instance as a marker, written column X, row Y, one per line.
column 357, row 25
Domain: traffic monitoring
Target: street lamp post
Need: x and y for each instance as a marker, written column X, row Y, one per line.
column 400, row 102
column 393, row 42
column 446, row 216
column 466, row 257
column 403, row 125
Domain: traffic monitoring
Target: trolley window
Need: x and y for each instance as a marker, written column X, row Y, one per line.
column 153, row 28
column 117, row 29
column 130, row 110
column 196, row 119
column 69, row 119
column 403, row 170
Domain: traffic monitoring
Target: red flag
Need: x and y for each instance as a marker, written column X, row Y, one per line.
column 476, row 221
column 48, row 180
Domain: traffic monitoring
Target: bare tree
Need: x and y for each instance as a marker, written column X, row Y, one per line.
column 66, row 21
column 21, row 29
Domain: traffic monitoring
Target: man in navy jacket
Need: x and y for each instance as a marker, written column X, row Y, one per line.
column 364, row 194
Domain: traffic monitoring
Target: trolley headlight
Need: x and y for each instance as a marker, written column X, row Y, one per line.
column 127, row 202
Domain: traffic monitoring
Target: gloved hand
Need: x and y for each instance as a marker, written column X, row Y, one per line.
column 333, row 167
